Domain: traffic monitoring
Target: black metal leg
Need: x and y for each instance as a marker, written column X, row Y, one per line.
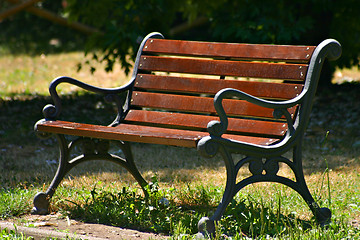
column 322, row 215
column 129, row 164
column 41, row 200
column 207, row 225
column 230, row 188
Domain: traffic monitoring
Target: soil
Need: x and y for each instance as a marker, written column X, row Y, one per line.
column 55, row 225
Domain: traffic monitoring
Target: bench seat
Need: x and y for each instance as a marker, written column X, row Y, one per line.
column 141, row 134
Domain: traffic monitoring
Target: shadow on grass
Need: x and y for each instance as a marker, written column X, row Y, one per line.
column 21, row 149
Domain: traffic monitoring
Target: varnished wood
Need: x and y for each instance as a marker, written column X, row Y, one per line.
column 137, row 133
column 224, row 68
column 230, row 50
column 212, row 86
column 199, row 104
column 199, row 123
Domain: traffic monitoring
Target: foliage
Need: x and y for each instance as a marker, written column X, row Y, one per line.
column 122, row 24
column 280, row 22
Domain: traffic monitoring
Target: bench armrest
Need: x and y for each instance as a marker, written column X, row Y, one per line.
column 217, row 128
column 118, row 95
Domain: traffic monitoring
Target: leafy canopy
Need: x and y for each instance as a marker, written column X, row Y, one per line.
column 123, row 23
column 282, row 22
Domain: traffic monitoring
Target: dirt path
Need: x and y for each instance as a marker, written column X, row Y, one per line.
column 41, row 227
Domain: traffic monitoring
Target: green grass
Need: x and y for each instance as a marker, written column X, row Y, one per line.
column 102, row 192
column 15, row 201
column 12, row 234
column 31, row 75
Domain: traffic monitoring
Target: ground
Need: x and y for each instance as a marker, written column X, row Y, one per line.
column 56, row 225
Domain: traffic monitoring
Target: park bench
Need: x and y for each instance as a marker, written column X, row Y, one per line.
column 251, row 100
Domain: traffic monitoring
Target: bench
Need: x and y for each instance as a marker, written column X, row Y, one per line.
column 249, row 99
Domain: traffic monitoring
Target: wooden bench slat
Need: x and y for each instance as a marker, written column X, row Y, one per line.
column 199, row 104
column 143, row 134
column 212, row 86
column 199, row 123
column 230, row 50
column 224, row 67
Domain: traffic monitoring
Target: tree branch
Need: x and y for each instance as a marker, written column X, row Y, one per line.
column 17, row 8
column 59, row 20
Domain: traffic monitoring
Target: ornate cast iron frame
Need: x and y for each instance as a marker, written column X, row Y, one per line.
column 263, row 161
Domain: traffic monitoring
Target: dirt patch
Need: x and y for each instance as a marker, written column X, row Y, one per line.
column 41, row 226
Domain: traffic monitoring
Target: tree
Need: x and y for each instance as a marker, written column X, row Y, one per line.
column 253, row 21
column 123, row 23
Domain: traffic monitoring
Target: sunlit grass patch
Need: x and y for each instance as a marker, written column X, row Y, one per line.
column 22, row 74
column 15, row 202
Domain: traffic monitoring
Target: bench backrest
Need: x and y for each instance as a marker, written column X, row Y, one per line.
column 183, row 76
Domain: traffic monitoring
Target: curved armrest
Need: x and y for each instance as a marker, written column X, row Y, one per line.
column 51, row 112
column 280, row 108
